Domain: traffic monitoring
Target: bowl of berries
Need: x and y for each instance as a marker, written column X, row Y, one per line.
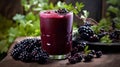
column 99, row 36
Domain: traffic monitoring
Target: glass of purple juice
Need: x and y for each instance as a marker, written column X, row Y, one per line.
column 56, row 32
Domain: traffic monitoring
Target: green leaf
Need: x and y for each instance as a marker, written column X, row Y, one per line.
column 75, row 11
column 86, row 48
column 18, row 17
column 69, row 7
column 27, row 7
column 60, row 4
column 79, row 6
column 51, row 6
column 87, row 52
column 95, row 28
column 105, row 39
column 30, row 16
column 113, row 2
column 3, row 46
column 114, row 10
column 23, row 2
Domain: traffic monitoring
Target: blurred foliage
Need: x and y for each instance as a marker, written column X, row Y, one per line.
column 112, row 18
column 111, row 21
column 5, row 24
column 114, row 12
column 26, row 24
column 106, row 39
column 104, row 23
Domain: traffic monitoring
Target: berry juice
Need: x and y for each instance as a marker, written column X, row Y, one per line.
column 56, row 32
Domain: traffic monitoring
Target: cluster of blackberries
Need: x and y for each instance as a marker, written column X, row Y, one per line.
column 78, row 54
column 62, row 11
column 29, row 50
column 102, row 33
column 115, row 35
column 87, row 34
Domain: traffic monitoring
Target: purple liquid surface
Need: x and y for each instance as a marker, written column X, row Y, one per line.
column 56, row 32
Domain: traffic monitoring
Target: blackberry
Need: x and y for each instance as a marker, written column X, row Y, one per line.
column 98, row 54
column 88, row 57
column 87, row 24
column 91, row 55
column 94, row 38
column 92, row 52
column 85, row 32
column 16, row 52
column 78, row 57
column 29, row 50
column 62, row 11
column 78, row 46
column 74, row 50
column 25, row 56
column 115, row 34
column 85, row 29
column 82, row 29
column 72, row 60
column 85, row 36
column 83, row 44
column 74, row 43
column 43, row 57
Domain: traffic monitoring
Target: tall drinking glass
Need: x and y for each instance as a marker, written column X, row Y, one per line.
column 56, row 33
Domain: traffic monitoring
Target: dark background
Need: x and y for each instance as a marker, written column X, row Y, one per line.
column 93, row 6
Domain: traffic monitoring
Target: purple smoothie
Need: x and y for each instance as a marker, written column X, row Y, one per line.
column 56, row 32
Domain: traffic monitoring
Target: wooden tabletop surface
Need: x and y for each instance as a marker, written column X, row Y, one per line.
column 107, row 60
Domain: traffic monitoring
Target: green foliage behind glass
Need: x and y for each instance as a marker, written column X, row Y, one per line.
column 24, row 24
column 28, row 24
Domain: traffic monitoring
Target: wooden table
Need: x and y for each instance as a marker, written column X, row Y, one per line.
column 107, row 60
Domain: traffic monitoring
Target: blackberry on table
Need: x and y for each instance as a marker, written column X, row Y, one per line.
column 98, row 54
column 77, row 47
column 92, row 52
column 16, row 52
column 80, row 53
column 81, row 46
column 72, row 60
column 29, row 50
column 78, row 56
column 74, row 43
column 25, row 56
column 88, row 57
column 74, row 50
